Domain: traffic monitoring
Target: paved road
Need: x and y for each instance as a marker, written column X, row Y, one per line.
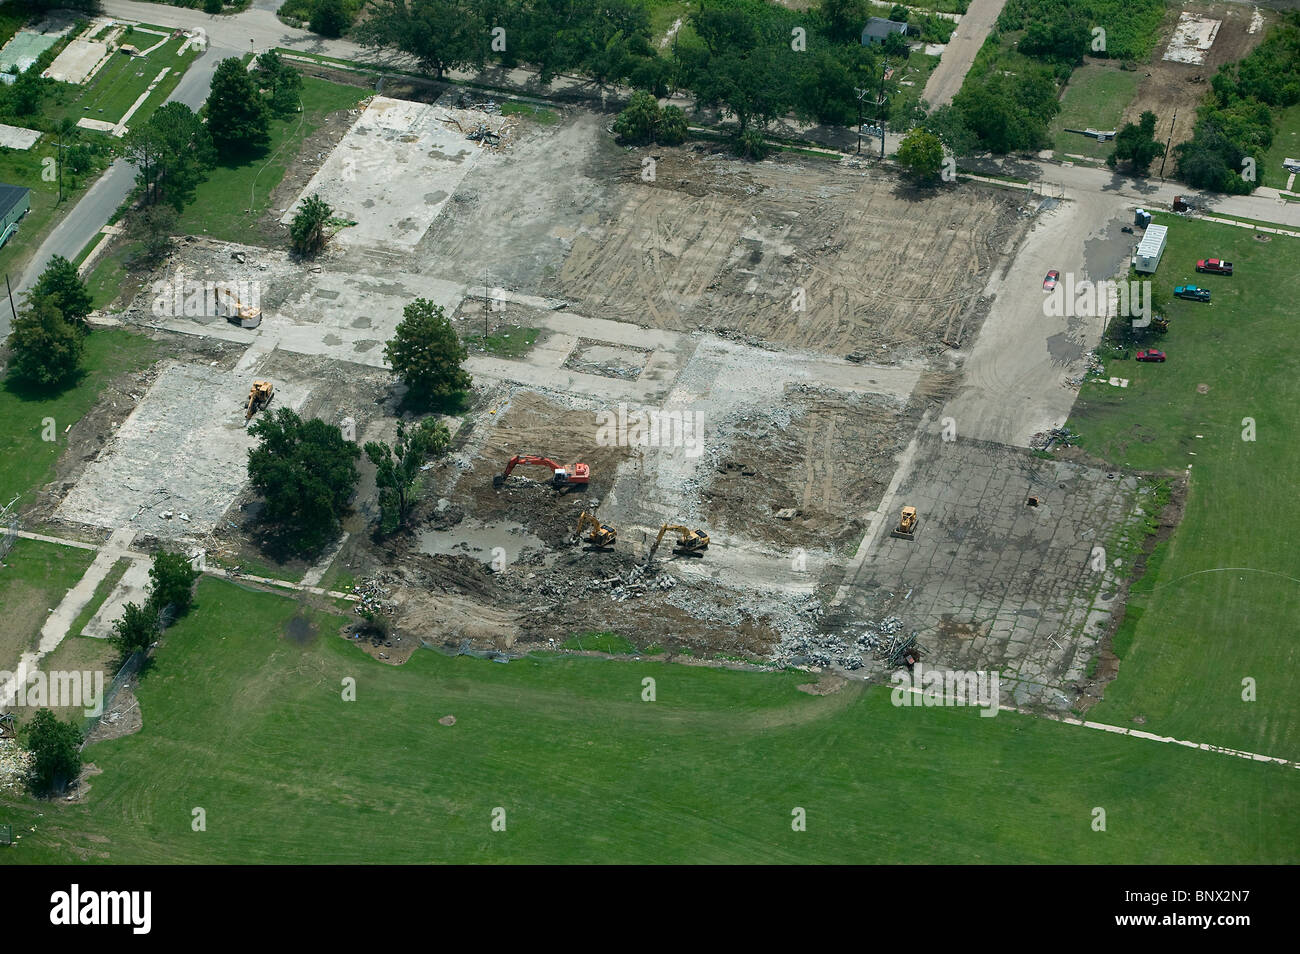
column 103, row 198
column 966, row 41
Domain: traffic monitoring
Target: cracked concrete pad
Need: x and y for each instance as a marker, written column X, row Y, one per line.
column 183, row 450
column 394, row 171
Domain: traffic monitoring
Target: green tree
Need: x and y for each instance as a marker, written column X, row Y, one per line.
column 45, row 348
column 282, row 82
column 239, row 119
column 329, row 18
column 56, row 752
column 441, row 34
column 135, row 630
column 172, row 582
column 921, row 155
column 846, row 18
column 305, row 471
column 62, row 287
column 153, row 226
column 310, row 230
column 398, row 468
column 638, row 123
column 213, row 6
column 672, row 126
column 26, row 94
column 427, row 354
column 949, row 124
column 1136, row 144
column 898, row 13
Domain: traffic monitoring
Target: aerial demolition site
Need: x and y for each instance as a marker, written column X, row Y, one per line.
column 733, row 437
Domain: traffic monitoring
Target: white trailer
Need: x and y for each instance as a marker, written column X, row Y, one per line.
column 1149, row 250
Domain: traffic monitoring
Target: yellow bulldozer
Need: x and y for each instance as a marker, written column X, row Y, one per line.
column 906, row 529
column 692, row 542
column 259, row 396
column 600, row 536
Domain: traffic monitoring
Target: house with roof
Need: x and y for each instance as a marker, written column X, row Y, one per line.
column 878, row 28
column 15, row 202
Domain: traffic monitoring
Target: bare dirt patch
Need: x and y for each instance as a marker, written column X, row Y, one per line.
column 828, row 684
column 1173, row 90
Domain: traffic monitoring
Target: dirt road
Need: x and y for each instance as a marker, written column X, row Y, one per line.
column 965, row 43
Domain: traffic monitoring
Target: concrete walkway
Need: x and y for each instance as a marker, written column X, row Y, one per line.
column 74, row 601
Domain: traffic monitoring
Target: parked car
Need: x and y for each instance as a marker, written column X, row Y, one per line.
column 1150, row 354
column 1191, row 293
column 1050, row 281
column 1215, row 266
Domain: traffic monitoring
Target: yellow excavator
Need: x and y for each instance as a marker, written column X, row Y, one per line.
column 601, row 536
column 236, row 312
column 259, row 396
column 906, row 529
column 688, row 541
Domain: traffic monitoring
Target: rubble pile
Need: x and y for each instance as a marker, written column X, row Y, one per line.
column 15, row 764
column 843, row 650
column 372, row 597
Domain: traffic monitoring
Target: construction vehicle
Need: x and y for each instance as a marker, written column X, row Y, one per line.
column 562, row 478
column 692, row 542
column 259, row 396
column 601, row 536
column 234, row 310
column 906, row 529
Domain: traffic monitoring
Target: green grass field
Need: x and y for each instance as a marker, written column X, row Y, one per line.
column 1220, row 604
column 27, row 461
column 120, row 81
column 251, row 727
column 33, row 580
column 235, row 195
column 508, row 341
column 1286, row 145
column 1094, row 98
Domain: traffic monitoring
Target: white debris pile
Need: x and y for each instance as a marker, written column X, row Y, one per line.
column 15, row 765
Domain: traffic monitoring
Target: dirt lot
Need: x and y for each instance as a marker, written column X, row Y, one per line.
column 1173, row 90
column 795, row 321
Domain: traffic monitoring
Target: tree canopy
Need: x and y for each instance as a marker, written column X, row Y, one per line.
column 427, row 354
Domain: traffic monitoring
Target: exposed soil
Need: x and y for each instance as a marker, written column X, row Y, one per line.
column 1173, row 90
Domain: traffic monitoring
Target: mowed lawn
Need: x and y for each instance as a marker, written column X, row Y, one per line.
column 1222, row 603
column 236, row 194
column 26, row 458
column 1286, row 145
column 1095, row 98
column 122, row 80
column 33, row 580
column 251, row 727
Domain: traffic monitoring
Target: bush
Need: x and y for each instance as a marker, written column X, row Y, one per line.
column 46, row 348
column 172, row 582
column 56, row 751
column 135, row 630
column 427, row 353
column 751, row 145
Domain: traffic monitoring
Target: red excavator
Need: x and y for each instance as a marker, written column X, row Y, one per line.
column 562, row 478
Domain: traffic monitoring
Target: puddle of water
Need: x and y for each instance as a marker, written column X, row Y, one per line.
column 480, row 541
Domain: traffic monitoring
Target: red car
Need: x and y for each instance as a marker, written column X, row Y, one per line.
column 1150, row 354
column 1050, row 281
column 1216, row 266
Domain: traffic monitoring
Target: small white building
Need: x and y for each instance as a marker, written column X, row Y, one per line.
column 1150, row 249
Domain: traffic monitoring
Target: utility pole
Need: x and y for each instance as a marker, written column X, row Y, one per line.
column 881, row 103
column 1167, row 142
column 9, row 288
column 861, row 94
